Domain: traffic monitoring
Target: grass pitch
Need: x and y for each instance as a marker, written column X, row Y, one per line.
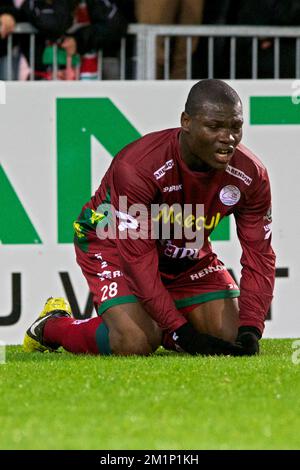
column 167, row 401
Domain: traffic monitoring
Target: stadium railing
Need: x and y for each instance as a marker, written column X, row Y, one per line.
column 149, row 34
column 145, row 49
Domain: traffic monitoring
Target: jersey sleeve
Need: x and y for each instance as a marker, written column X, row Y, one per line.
column 136, row 247
column 253, row 221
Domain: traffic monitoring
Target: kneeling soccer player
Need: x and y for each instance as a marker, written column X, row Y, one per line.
column 149, row 291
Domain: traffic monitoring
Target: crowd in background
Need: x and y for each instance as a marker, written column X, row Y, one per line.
column 80, row 28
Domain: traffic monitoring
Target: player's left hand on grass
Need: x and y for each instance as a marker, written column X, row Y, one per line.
column 248, row 337
column 194, row 342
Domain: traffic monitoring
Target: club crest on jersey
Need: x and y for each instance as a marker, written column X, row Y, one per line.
column 230, row 195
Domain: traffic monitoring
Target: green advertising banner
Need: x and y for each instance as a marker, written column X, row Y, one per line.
column 57, row 140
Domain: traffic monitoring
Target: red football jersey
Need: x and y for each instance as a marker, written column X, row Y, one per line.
column 151, row 172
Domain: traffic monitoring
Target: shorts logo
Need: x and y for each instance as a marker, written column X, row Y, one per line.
column 162, row 170
column 230, row 195
column 209, row 270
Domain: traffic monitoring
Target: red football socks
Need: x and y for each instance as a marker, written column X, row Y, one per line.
column 76, row 336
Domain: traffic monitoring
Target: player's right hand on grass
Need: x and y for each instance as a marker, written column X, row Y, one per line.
column 193, row 342
column 248, row 337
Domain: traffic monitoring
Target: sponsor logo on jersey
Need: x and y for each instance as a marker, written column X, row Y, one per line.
column 109, row 275
column 230, row 195
column 162, row 170
column 209, row 270
column 168, row 215
column 239, row 174
column 174, row 187
column 173, row 251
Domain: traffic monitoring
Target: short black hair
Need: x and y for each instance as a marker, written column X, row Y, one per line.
column 210, row 91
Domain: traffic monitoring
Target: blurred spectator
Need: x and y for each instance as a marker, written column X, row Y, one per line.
column 7, row 26
column 50, row 17
column 252, row 13
column 98, row 24
column 214, row 13
column 184, row 12
column 267, row 13
column 127, row 8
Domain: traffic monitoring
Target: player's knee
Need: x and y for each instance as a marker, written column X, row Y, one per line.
column 132, row 342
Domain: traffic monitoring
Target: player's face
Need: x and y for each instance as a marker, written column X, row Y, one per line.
column 209, row 139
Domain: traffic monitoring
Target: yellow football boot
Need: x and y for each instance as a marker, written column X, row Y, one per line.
column 33, row 340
